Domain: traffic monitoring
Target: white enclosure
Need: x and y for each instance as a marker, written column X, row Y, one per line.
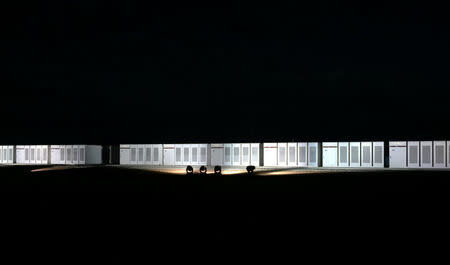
column 169, row 154
column 292, row 154
column 282, row 154
column 366, row 154
column 227, row 158
column 413, row 154
column 302, row 154
column 40, row 154
column 143, row 154
column 217, row 152
column 397, row 154
column 330, row 154
column 378, row 154
column 314, row 155
column 355, row 154
column 236, row 154
column 426, row 154
column 270, row 154
column 343, row 154
column 7, row 154
column 255, row 154
column 439, row 153
column 245, row 160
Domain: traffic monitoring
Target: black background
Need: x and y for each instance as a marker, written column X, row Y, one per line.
column 128, row 72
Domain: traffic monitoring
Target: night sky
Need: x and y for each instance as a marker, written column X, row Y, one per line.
column 124, row 72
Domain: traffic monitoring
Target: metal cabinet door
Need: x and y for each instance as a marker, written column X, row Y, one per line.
column 45, row 154
column 186, row 154
column 75, row 154
column 282, row 154
column 178, row 154
column 344, row 156
column 330, row 154
column 133, row 154
column 270, row 154
column 302, row 154
column 426, row 154
column 157, row 154
column 236, row 154
column 397, row 154
column 313, row 154
column 355, row 154
column 217, row 154
column 292, row 154
column 245, row 154
column 439, row 154
column 82, row 154
column 255, row 157
column 169, row 155
column 228, row 157
column 195, row 154
column 413, row 154
column 140, row 154
column 378, row 154
column 366, row 154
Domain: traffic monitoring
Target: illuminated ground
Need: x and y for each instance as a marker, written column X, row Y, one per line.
column 234, row 183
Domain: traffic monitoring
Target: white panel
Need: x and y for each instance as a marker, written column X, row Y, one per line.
column 20, row 154
column 178, row 154
column 426, row 154
column 355, row 154
column 245, row 149
column 439, row 154
column 255, row 154
column 140, row 154
column 236, row 154
column 330, row 154
column 75, row 154
column 45, row 153
column 203, row 154
column 302, row 154
column 186, row 154
column 378, row 154
column 270, row 154
column 366, row 154
column 228, row 154
column 169, row 154
column 133, row 154
column 397, row 154
column 217, row 154
column 313, row 154
column 413, row 152
column 195, row 154
column 32, row 154
column 282, row 154
column 124, row 154
column 292, row 154
column 344, row 154
column 157, row 154
column 82, row 154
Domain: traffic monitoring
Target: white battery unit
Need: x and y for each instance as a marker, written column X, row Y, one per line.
column 397, row 154
column 157, row 154
column 330, row 154
column 245, row 159
column 270, row 154
column 366, row 154
column 236, row 154
column 33, row 154
column 282, row 156
column 302, row 154
column 178, row 154
column 344, row 154
column 125, row 150
column 378, row 154
column 355, row 154
column 169, row 154
column 255, row 154
column 186, row 154
column 413, row 154
column 292, row 154
column 439, row 153
column 314, row 154
column 217, row 154
column 228, row 157
column 426, row 154
column 20, row 154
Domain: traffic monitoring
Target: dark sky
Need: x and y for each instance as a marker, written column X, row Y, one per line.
column 125, row 72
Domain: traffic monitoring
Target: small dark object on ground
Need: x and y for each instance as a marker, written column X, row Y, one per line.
column 189, row 170
column 203, row 170
column 217, row 170
column 250, row 169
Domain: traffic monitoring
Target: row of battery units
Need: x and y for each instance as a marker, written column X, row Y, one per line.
column 327, row 154
column 6, row 154
column 46, row 154
column 419, row 154
column 191, row 154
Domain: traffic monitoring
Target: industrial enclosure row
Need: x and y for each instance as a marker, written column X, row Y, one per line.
column 399, row 154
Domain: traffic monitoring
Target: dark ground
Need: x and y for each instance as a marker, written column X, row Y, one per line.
column 160, row 186
column 118, row 215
